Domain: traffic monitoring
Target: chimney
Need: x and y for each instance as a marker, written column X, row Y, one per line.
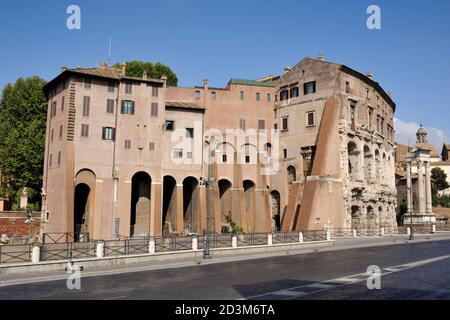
column 164, row 78
column 287, row 69
column 123, row 69
column 321, row 57
column 205, row 92
column 369, row 75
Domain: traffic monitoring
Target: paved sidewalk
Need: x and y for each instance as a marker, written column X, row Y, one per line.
column 340, row 244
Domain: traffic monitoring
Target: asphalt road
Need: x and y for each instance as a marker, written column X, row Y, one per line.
column 409, row 271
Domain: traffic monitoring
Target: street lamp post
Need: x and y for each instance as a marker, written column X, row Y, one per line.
column 29, row 221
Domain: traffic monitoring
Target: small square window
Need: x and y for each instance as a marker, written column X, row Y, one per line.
column 285, row 124
column 178, row 153
column 110, row 106
column 155, row 91
column 294, row 92
column 310, row 119
column 151, row 146
column 241, row 95
column 87, row 83
column 154, row 109
column 213, row 95
column 86, row 106
column 128, row 88
column 84, row 130
column 197, row 94
column 127, row 107
column 247, row 159
column 190, row 133
column 268, row 97
column 261, row 124
column 284, row 95
column 111, row 86
column 170, row 125
column 257, row 96
column 127, row 144
column 309, row 87
column 53, row 110
column 242, row 124
column 224, row 158
column 108, row 133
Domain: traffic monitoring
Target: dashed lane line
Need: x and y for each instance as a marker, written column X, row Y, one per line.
column 295, row 292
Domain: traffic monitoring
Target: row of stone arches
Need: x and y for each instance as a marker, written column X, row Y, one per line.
column 371, row 217
column 180, row 205
column 367, row 165
column 174, row 196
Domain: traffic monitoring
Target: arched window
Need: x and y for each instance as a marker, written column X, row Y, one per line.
column 352, row 160
column 292, row 174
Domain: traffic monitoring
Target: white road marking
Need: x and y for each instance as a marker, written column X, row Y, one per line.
column 115, row 298
column 343, row 281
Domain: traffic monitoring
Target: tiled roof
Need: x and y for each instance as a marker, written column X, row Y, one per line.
column 98, row 72
column 184, row 105
column 251, row 83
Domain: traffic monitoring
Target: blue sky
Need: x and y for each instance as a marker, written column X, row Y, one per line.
column 218, row 40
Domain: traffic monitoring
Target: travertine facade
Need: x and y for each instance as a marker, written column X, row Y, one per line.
column 114, row 164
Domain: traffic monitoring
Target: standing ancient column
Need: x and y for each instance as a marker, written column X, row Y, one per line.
column 408, row 188
column 428, row 187
column 422, row 196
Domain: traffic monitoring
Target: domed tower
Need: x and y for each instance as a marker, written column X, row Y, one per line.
column 422, row 143
column 422, row 135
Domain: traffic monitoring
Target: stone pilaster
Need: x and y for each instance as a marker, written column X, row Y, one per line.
column 429, row 206
column 421, row 185
column 179, row 214
column 156, row 210
column 408, row 188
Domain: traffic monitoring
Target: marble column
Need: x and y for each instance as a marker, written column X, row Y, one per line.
column 408, row 188
column 422, row 196
column 429, row 206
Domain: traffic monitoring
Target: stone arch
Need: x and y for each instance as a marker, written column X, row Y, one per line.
column 367, row 164
column 356, row 217
column 291, row 174
column 353, row 163
column 191, row 204
column 378, row 165
column 169, row 219
column 371, row 218
column 225, row 197
column 249, row 203
column 84, row 202
column 275, row 200
column 141, row 183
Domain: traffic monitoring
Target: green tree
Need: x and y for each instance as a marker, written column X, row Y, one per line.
column 439, row 178
column 154, row 70
column 23, row 112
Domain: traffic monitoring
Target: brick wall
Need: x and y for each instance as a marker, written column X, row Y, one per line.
column 13, row 223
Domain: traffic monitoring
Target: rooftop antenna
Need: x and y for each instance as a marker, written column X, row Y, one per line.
column 109, row 51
